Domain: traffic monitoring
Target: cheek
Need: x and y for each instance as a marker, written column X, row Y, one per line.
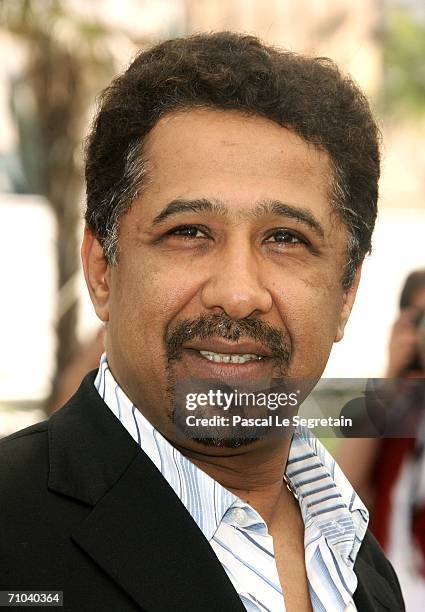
column 310, row 313
column 145, row 300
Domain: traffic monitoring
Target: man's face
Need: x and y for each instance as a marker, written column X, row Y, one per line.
column 230, row 261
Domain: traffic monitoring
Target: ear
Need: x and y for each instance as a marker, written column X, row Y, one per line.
column 97, row 273
column 347, row 304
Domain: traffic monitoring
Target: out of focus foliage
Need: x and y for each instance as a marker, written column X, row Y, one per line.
column 403, row 90
column 69, row 59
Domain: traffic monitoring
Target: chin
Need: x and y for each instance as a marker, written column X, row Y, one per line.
column 225, row 442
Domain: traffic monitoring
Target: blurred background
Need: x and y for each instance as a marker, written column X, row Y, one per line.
column 56, row 55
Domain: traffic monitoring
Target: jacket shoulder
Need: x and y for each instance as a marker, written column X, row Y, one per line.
column 23, row 433
column 23, row 455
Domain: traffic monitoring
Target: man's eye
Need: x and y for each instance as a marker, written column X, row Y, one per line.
column 285, row 237
column 188, row 231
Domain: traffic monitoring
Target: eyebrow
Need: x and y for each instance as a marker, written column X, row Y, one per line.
column 262, row 209
column 181, row 206
column 290, row 211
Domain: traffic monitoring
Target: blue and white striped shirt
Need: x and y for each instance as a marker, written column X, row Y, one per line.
column 335, row 519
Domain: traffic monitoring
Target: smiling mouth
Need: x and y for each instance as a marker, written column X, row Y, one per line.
column 230, row 357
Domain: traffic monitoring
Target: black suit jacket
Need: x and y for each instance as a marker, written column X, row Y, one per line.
column 85, row 511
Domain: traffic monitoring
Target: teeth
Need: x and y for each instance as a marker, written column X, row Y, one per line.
column 229, row 358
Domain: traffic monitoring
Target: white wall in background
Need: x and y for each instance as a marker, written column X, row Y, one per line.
column 398, row 248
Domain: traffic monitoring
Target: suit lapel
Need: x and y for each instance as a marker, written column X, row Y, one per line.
column 144, row 538
column 89, row 449
column 373, row 593
column 138, row 531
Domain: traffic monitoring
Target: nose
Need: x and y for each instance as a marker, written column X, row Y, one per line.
column 234, row 285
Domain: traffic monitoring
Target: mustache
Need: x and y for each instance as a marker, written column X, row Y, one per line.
column 222, row 326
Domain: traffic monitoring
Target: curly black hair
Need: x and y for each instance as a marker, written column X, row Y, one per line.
column 232, row 71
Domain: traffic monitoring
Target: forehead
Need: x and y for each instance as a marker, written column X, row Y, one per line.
column 233, row 157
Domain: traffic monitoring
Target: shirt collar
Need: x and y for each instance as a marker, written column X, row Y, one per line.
column 327, row 500
column 329, row 505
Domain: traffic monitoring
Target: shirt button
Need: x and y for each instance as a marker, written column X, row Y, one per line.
column 239, row 516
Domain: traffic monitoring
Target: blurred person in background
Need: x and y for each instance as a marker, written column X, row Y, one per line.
column 389, row 473
column 231, row 197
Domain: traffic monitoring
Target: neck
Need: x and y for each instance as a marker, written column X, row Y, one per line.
column 254, row 475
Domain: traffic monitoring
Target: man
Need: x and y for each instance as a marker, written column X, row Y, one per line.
column 231, row 197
